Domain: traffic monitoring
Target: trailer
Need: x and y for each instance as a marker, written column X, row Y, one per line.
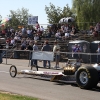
column 86, row 77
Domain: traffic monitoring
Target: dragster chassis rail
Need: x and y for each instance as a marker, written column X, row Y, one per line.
column 47, row 75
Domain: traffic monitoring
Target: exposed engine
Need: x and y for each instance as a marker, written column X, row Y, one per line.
column 69, row 70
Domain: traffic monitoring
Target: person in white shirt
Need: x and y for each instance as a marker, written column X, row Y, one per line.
column 58, row 35
column 29, row 32
column 12, row 42
column 66, row 36
column 65, row 28
column 41, row 29
column 36, row 37
column 56, row 50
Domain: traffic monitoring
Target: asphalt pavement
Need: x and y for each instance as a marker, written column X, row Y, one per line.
column 45, row 90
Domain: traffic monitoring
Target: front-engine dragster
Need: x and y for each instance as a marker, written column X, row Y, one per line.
column 86, row 77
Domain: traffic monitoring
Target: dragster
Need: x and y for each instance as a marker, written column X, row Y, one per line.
column 86, row 77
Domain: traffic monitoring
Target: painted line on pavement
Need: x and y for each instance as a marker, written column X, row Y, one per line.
column 4, row 72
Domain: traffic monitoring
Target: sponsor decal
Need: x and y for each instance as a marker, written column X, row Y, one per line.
column 51, row 73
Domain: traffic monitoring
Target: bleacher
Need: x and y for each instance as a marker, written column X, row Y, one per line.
column 63, row 44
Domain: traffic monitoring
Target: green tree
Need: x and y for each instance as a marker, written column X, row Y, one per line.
column 19, row 17
column 87, row 12
column 54, row 14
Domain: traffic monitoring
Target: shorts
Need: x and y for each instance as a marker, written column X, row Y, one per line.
column 57, row 57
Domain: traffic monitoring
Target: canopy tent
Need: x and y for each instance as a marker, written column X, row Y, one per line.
column 66, row 20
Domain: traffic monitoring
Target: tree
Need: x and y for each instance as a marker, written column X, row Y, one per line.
column 55, row 14
column 87, row 12
column 19, row 17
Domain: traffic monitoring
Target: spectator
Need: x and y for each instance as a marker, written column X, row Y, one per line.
column 62, row 28
column 98, row 51
column 58, row 35
column 49, row 33
column 97, row 27
column 91, row 30
column 95, row 33
column 8, row 34
column 46, row 47
column 73, row 32
column 67, row 35
column 56, row 50
column 36, row 37
column 30, row 47
column 76, row 49
column 23, row 30
column 3, row 32
column 65, row 28
column 16, row 33
column 34, row 61
column 1, row 47
column 79, row 50
column 12, row 42
column 23, row 44
column 37, row 25
column 41, row 30
column 29, row 32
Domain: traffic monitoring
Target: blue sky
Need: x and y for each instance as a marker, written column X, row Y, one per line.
column 36, row 7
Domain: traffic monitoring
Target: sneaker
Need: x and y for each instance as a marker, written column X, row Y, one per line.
column 58, row 67
column 48, row 66
column 55, row 67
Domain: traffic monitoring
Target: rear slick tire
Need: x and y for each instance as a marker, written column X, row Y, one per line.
column 87, row 77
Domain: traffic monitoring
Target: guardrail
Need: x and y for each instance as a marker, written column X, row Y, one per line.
column 88, row 58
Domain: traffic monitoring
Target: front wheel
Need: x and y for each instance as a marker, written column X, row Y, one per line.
column 13, row 71
column 87, row 77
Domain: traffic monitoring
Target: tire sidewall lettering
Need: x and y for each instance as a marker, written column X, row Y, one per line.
column 88, row 73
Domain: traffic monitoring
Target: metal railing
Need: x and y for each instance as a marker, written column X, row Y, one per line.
column 87, row 57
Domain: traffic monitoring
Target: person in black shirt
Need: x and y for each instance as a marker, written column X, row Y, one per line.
column 30, row 47
column 46, row 47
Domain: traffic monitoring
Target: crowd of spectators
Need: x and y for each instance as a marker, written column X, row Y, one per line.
column 28, row 36
column 94, row 30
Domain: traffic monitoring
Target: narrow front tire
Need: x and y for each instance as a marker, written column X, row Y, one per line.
column 13, row 71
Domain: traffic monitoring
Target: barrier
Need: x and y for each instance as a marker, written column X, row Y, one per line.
column 42, row 55
column 6, row 52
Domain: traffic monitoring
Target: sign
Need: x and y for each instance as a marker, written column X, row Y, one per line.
column 43, row 55
column 32, row 20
